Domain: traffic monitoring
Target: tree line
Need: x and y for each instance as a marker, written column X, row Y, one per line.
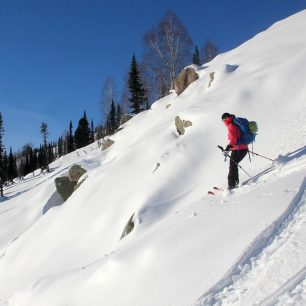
column 29, row 158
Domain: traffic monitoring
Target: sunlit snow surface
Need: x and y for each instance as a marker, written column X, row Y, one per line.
column 187, row 248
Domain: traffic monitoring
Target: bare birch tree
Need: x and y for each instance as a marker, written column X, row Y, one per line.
column 109, row 94
column 167, row 51
column 210, row 51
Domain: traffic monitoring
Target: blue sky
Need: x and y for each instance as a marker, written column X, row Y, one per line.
column 55, row 55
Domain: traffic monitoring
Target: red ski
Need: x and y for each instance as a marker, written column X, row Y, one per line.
column 216, row 189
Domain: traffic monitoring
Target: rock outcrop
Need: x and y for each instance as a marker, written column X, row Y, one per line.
column 128, row 227
column 181, row 125
column 66, row 185
column 107, row 143
column 184, row 79
column 75, row 172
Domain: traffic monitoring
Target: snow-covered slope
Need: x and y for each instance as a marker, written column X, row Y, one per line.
column 187, row 248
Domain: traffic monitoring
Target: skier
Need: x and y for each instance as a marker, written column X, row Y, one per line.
column 239, row 151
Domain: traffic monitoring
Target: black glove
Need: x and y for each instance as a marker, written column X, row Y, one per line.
column 228, row 148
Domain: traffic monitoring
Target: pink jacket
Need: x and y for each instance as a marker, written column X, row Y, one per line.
column 234, row 134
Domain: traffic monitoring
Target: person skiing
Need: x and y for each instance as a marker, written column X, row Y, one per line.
column 238, row 151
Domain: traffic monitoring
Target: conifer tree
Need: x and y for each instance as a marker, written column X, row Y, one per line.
column 118, row 115
column 92, row 132
column 196, row 57
column 44, row 133
column 42, row 157
column 5, row 167
column 70, row 139
column 65, row 143
column 50, row 153
column 12, row 167
column 60, row 147
column 27, row 168
column 2, row 173
column 33, row 159
column 111, row 128
column 137, row 92
column 81, row 135
column 1, row 141
column 27, row 159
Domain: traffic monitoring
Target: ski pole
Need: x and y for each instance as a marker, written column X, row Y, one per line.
column 263, row 156
column 221, row 148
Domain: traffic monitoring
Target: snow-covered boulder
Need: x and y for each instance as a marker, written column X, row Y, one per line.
column 75, row 172
column 184, row 79
column 64, row 186
column 128, row 227
column 107, row 144
column 181, row 125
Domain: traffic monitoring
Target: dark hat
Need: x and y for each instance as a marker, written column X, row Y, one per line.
column 225, row 115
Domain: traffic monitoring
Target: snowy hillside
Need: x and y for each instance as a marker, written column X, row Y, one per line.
column 187, row 247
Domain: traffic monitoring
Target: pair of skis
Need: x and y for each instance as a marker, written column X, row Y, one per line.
column 215, row 190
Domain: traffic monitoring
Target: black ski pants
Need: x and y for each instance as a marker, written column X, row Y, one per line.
column 233, row 176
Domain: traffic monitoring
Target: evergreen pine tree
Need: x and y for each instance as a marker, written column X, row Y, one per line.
column 2, row 173
column 81, row 135
column 33, row 159
column 27, row 159
column 137, row 92
column 44, row 132
column 118, row 116
column 12, row 168
column 92, row 132
column 112, row 119
column 70, row 139
column 196, row 57
column 42, row 157
column 1, row 141
column 27, row 168
column 5, row 167
column 60, row 147
column 65, row 143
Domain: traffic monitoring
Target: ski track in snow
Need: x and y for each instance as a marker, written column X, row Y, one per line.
column 262, row 276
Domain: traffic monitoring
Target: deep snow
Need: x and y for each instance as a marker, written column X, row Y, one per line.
column 187, row 248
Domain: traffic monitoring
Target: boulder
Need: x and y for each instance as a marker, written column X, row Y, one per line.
column 107, row 143
column 75, row 172
column 211, row 78
column 181, row 125
column 128, row 227
column 184, row 79
column 82, row 179
column 64, row 187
